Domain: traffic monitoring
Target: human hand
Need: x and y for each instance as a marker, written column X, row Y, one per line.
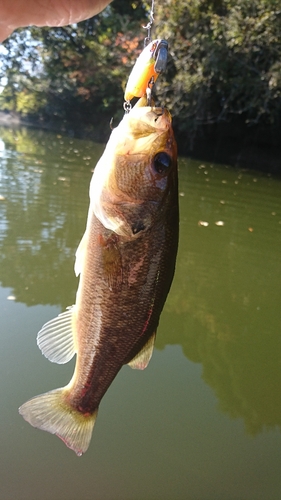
column 20, row 13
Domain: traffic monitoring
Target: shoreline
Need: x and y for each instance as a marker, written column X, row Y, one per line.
column 232, row 144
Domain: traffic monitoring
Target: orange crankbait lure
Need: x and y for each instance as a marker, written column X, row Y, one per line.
column 151, row 62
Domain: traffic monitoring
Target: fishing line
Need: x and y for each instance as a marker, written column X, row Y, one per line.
column 148, row 27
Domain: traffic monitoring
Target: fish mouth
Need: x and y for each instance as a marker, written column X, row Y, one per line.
column 161, row 113
column 158, row 118
column 149, row 120
column 162, row 116
column 141, row 108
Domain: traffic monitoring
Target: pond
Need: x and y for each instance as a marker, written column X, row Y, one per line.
column 203, row 421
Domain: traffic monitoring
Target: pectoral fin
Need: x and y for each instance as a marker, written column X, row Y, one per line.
column 141, row 360
column 56, row 339
column 111, row 262
column 80, row 255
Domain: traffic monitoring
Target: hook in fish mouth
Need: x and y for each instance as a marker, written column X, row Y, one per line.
column 149, row 90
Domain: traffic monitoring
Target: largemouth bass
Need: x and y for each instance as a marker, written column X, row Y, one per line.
column 126, row 261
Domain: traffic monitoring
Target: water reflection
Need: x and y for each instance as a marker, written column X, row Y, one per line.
column 226, row 293
column 44, row 184
column 224, row 307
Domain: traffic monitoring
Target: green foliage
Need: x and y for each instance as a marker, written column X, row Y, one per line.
column 224, row 61
column 75, row 73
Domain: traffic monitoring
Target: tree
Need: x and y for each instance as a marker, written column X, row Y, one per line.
column 75, row 73
column 225, row 61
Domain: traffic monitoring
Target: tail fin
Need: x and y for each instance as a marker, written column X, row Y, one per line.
column 51, row 413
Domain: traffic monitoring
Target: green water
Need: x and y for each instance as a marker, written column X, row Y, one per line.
column 203, row 421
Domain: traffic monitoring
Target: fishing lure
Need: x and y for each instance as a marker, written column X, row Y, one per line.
column 150, row 64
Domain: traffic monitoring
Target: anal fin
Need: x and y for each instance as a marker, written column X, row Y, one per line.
column 80, row 255
column 141, row 360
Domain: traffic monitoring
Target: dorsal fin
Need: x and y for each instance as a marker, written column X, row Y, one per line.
column 56, row 339
column 141, row 360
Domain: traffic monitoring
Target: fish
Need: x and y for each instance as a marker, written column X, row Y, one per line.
column 125, row 262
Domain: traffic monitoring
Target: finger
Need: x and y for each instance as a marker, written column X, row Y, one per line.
column 20, row 13
column 5, row 31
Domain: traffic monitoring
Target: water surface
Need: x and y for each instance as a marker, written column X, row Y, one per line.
column 203, row 421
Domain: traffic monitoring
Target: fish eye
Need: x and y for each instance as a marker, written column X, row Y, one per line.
column 162, row 162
